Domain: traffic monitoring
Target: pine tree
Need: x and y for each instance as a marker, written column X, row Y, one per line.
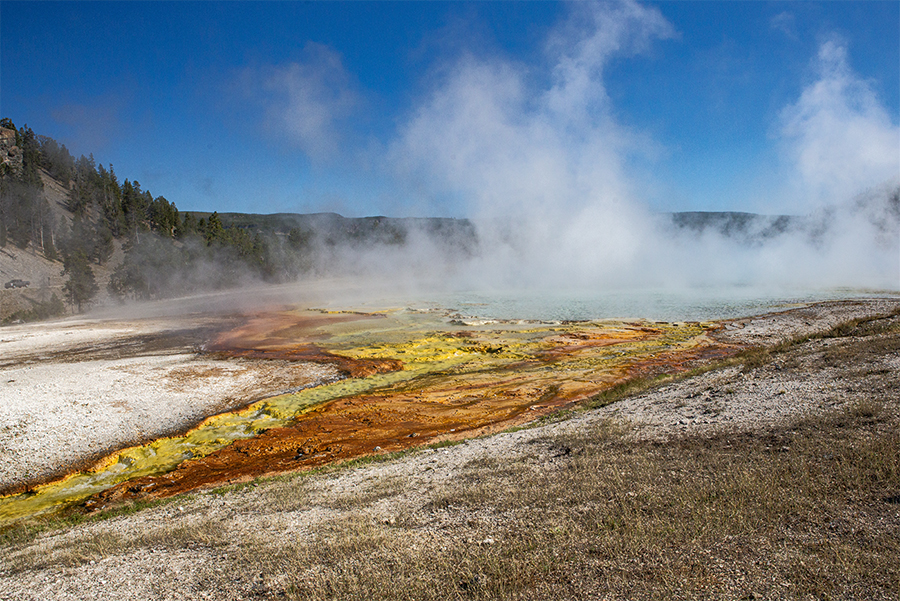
column 47, row 238
column 188, row 225
column 103, row 244
column 31, row 158
column 215, row 232
column 111, row 201
column 81, row 286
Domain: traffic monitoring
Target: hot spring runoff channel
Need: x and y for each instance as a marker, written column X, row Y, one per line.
column 468, row 372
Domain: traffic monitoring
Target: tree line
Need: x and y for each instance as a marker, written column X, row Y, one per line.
column 165, row 251
column 168, row 252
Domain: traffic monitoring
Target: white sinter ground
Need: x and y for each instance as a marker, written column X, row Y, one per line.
column 66, row 399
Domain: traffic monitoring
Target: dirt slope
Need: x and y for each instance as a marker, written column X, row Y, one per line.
column 45, row 276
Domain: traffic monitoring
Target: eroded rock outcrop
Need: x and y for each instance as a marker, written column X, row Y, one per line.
column 10, row 153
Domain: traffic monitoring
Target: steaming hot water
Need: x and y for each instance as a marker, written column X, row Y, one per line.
column 660, row 304
column 421, row 373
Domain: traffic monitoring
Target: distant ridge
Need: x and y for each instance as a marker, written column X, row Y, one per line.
column 284, row 222
column 334, row 229
column 732, row 224
column 738, row 225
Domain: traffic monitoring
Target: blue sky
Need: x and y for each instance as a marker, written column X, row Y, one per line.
column 461, row 109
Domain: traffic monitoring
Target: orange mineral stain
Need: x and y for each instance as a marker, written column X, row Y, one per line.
column 275, row 335
column 469, row 382
column 411, row 378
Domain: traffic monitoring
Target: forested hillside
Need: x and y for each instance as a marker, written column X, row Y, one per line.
column 103, row 212
column 92, row 213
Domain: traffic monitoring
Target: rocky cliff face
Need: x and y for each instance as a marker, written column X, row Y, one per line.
column 10, row 154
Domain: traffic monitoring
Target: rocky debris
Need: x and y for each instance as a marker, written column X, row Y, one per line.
column 11, row 158
column 805, row 320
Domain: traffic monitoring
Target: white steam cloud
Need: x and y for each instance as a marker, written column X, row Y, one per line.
column 537, row 158
column 842, row 157
column 540, row 167
column 307, row 102
column 541, row 164
column 839, row 137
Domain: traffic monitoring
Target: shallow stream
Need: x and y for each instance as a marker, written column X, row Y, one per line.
column 440, row 352
column 471, row 353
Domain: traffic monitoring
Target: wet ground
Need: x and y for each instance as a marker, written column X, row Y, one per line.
column 415, row 378
column 294, row 389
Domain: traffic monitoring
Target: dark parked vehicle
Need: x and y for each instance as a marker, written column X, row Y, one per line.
column 17, row 284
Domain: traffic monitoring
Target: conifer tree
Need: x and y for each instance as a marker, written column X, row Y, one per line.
column 215, row 232
column 81, row 286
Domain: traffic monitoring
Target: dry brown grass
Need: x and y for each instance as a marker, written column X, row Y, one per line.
column 804, row 512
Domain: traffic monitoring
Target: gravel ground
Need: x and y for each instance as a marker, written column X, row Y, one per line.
column 771, row 328
column 731, row 399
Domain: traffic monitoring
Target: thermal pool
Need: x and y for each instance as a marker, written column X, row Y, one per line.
column 409, row 378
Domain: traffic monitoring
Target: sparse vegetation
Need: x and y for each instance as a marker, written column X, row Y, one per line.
column 798, row 512
column 805, row 510
column 801, row 511
column 38, row 311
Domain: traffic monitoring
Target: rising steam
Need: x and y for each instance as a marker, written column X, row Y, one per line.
column 540, row 163
column 536, row 157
